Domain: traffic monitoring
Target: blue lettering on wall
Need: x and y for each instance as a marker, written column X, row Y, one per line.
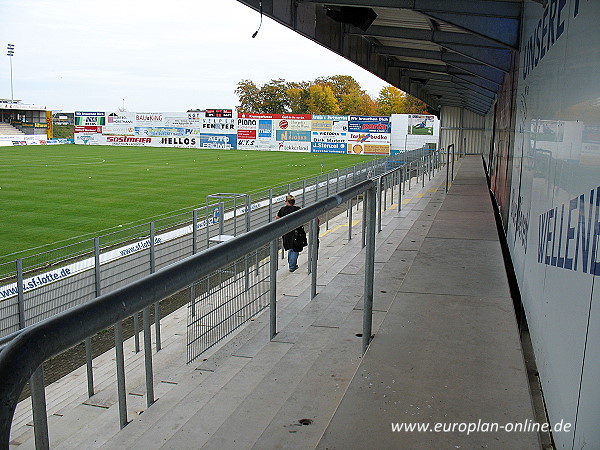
column 568, row 235
column 548, row 30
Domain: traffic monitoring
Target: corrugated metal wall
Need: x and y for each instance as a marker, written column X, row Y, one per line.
column 464, row 129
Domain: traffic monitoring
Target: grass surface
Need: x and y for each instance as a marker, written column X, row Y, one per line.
column 50, row 195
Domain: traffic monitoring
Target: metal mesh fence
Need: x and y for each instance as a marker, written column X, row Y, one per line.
column 226, row 299
column 59, row 279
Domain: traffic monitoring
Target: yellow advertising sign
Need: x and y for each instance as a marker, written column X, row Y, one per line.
column 50, row 130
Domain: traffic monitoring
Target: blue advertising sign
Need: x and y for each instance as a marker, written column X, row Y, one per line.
column 328, row 147
column 265, row 128
column 218, row 141
column 292, row 135
column 358, row 124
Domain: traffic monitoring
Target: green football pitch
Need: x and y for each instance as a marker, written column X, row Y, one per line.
column 53, row 195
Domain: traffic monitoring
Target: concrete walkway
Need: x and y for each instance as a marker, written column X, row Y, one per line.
column 446, row 350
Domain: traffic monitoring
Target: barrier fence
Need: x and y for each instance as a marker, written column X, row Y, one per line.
column 230, row 278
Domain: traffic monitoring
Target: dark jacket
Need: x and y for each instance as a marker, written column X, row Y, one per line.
column 288, row 238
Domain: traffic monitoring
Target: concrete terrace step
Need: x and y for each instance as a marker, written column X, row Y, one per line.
column 197, row 401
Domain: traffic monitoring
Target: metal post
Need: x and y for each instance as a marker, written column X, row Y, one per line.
column 248, row 213
column 423, row 167
column 400, row 182
column 303, row 192
column 392, row 188
column 317, row 188
column 20, row 294
column 271, row 205
column 350, row 220
column 222, row 218
column 378, row 204
column 273, row 289
column 369, row 271
column 314, row 236
column 120, row 361
column 136, row 331
column 364, row 220
column 207, row 227
column 384, row 183
column 38, row 405
column 152, row 270
column 194, row 251
column 453, row 157
column 447, row 167
column 148, row 357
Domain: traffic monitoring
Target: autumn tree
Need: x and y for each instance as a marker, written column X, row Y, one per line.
column 337, row 94
column 249, row 96
column 390, row 101
column 412, row 105
column 321, row 100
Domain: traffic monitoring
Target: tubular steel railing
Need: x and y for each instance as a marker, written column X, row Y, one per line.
column 22, row 357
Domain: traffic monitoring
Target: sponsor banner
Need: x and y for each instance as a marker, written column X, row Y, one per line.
column 330, row 123
column 292, row 135
column 218, row 125
column 150, row 119
column 218, row 141
column 265, row 128
column 258, row 116
column 290, row 146
column 379, row 138
column 180, row 142
column 49, row 124
column 369, row 124
column 368, row 149
column 247, row 134
column 89, row 139
column 89, row 118
column 329, row 136
column 87, row 129
column 118, row 130
column 294, row 125
column 328, row 147
column 22, row 137
column 120, row 118
column 161, row 131
column 127, row 140
column 247, row 144
column 421, row 124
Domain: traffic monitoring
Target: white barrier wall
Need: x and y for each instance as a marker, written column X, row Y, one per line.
column 367, row 135
column 553, row 196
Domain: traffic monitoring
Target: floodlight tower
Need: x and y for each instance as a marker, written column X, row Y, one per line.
column 10, row 48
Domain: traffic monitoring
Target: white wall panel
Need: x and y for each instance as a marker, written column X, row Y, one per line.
column 464, row 129
column 553, row 232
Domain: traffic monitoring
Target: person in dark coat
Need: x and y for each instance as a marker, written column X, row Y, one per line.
column 288, row 238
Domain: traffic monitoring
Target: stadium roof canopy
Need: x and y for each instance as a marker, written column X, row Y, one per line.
column 445, row 52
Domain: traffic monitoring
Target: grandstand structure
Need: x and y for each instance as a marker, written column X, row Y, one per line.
column 479, row 310
column 22, row 123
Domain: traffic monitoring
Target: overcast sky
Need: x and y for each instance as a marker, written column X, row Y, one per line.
column 151, row 55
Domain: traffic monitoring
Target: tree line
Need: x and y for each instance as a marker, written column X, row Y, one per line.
column 337, row 94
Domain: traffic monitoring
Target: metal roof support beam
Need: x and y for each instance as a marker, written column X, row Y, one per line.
column 446, row 56
column 497, row 8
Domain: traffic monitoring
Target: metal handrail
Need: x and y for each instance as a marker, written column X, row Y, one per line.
column 20, row 359
column 448, row 165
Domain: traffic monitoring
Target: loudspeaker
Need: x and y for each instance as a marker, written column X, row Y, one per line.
column 359, row 17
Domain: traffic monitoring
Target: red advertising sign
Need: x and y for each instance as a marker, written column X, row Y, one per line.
column 246, row 134
column 87, row 129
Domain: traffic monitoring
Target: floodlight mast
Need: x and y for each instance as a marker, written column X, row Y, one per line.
column 10, row 51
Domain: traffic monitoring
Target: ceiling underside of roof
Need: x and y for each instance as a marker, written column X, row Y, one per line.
column 445, row 52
